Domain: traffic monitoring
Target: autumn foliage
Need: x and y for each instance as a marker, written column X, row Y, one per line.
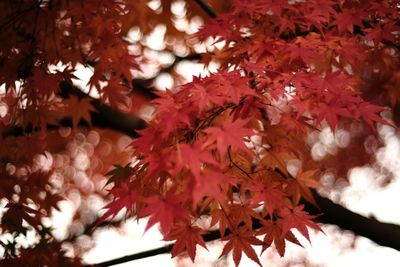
column 227, row 151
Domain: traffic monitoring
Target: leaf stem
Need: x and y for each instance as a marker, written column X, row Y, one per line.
column 237, row 166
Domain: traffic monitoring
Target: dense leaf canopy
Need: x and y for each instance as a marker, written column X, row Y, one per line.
column 228, row 151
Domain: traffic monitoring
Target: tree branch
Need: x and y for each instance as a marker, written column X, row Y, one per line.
column 384, row 234
column 207, row 8
column 103, row 117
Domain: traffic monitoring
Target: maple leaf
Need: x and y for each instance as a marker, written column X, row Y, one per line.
column 321, row 12
column 123, row 198
column 187, row 237
column 268, row 194
column 164, row 211
column 126, row 63
column 284, row 67
column 331, row 84
column 241, row 241
column 230, row 134
column 203, row 95
column 217, row 28
column 273, row 160
column 298, row 219
column 219, row 216
column 16, row 214
column 301, row 50
column 244, row 213
column 210, row 183
column 303, row 182
column 347, row 19
column 351, row 52
column 233, row 85
column 277, row 6
column 286, row 24
column 273, row 233
column 370, row 113
column 45, row 83
column 119, row 173
column 175, row 118
column 78, row 109
column 192, row 157
column 116, row 94
column 386, row 32
column 157, row 163
column 331, row 114
column 148, row 140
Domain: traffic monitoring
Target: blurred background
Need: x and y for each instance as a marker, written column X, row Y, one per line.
column 169, row 56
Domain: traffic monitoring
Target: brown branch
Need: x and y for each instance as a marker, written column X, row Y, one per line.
column 103, row 117
column 384, row 234
column 137, row 256
column 207, row 8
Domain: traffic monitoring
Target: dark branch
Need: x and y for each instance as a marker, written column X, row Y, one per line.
column 384, row 234
column 140, row 255
column 103, row 117
column 207, row 8
column 214, row 235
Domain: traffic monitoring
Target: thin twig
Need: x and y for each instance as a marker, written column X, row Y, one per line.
column 234, row 164
column 207, row 8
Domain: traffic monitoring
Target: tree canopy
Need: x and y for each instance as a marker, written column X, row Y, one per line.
column 224, row 155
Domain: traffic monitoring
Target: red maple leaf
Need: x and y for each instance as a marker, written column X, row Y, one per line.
column 45, row 83
column 203, row 95
column 231, row 85
column 347, row 19
column 175, row 118
column 79, row 109
column 331, row 114
column 267, row 194
column 298, row 219
column 219, row 216
column 164, row 211
column 241, row 241
column 187, row 237
column 192, row 157
column 123, row 198
column 370, row 113
column 273, row 233
column 301, row 50
column 116, row 94
column 230, row 134
column 149, row 138
column 211, row 183
column 243, row 213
